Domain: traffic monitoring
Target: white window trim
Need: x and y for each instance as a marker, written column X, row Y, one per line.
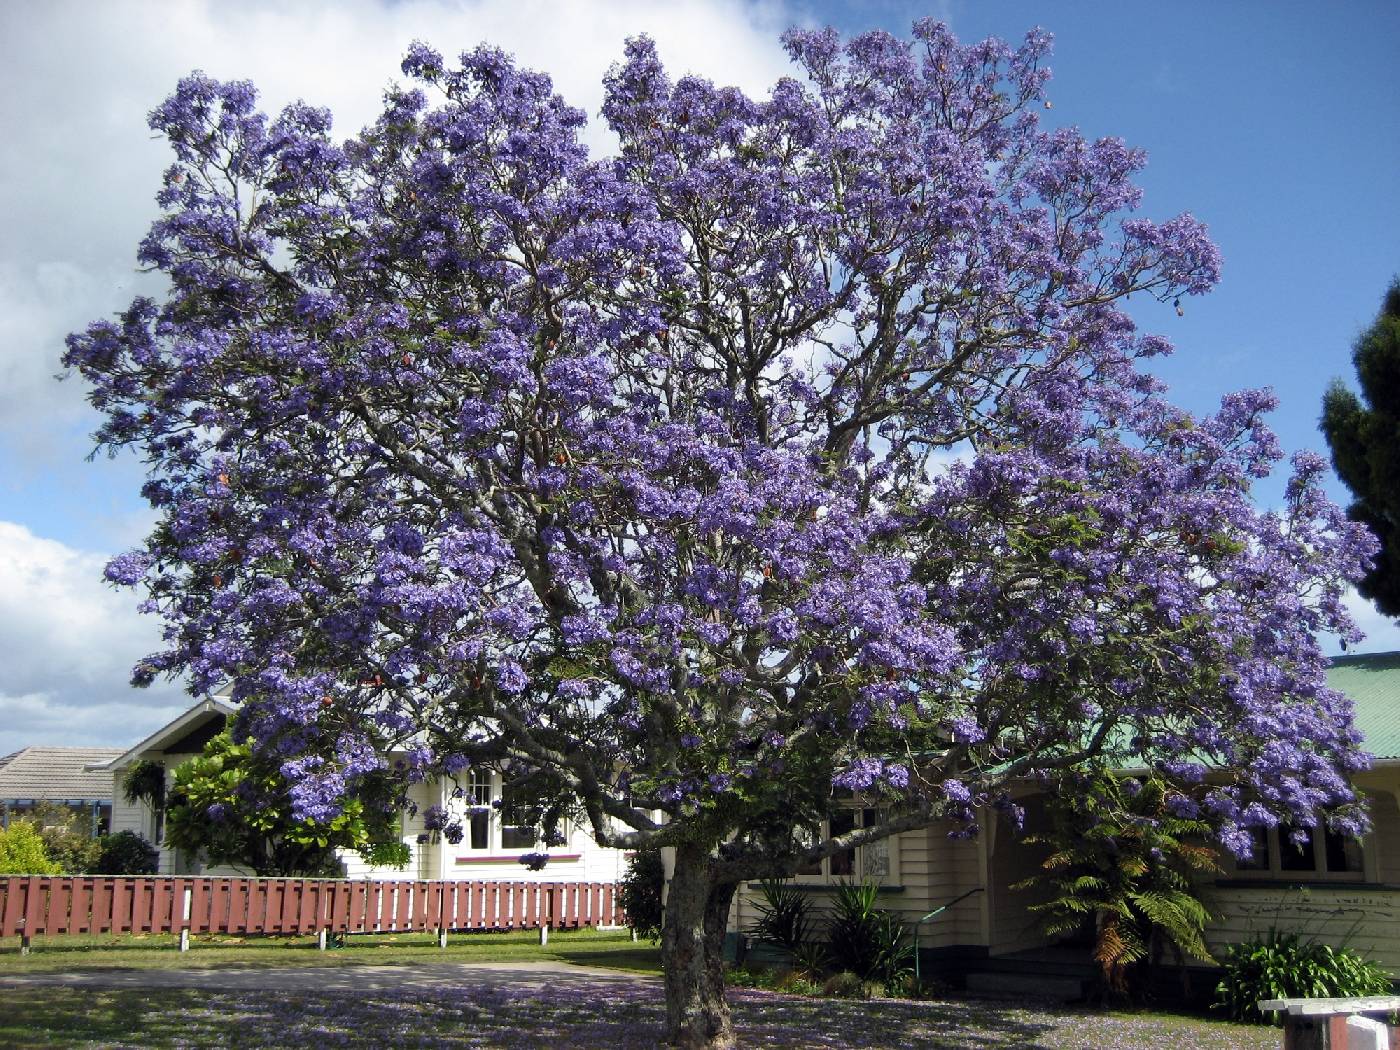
column 463, row 808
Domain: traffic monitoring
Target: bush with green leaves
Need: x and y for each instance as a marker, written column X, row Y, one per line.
column 1280, row 965
column 866, row 940
column 22, row 851
column 126, row 853
column 68, row 838
column 232, row 805
column 144, row 781
column 639, row 892
column 848, row 985
column 783, row 916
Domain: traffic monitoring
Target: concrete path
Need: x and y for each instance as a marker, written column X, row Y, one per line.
column 348, row 978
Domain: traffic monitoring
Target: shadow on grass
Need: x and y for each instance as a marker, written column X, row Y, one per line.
column 584, row 1012
column 65, row 1017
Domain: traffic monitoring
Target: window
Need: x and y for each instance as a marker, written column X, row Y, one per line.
column 491, row 822
column 1321, row 854
column 875, row 860
column 520, row 825
column 478, row 788
column 477, row 792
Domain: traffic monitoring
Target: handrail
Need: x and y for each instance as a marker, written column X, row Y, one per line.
column 918, row 971
column 960, row 897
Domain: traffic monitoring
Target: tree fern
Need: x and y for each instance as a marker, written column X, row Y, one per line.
column 1122, row 858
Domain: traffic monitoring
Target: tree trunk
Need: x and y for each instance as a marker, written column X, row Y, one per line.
column 692, row 954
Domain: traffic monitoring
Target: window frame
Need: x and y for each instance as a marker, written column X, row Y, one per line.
column 491, row 799
column 889, row 845
column 1269, row 851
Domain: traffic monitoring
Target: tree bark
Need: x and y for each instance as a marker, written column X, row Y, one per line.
column 692, row 954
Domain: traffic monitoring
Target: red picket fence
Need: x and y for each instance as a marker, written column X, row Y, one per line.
column 38, row 905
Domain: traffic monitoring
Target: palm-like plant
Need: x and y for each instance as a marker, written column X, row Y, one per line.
column 1123, row 856
column 783, row 917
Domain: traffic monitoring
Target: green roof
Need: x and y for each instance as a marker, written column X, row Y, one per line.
column 1372, row 681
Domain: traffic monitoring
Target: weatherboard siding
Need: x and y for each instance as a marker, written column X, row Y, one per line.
column 929, row 870
column 1364, row 918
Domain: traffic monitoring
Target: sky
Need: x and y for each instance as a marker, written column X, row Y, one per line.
column 1272, row 121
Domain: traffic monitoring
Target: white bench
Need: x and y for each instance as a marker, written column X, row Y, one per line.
column 1336, row 1024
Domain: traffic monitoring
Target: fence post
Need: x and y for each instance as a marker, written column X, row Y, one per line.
column 321, row 939
column 187, row 910
column 23, row 937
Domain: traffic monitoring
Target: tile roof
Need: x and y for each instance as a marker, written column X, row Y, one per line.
column 56, row 773
column 1372, row 681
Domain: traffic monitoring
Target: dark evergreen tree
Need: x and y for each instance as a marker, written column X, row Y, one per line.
column 1364, row 435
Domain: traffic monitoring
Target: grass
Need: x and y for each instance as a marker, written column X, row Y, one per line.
column 585, row 947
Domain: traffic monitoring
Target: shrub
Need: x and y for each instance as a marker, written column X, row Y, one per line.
column 867, row 941
column 810, row 960
column 639, row 892
column 1281, row 965
column 794, row 982
column 783, row 917
column 127, row 853
column 22, row 851
column 68, row 838
column 848, row 985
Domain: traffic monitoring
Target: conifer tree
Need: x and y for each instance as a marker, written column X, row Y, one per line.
column 1364, row 435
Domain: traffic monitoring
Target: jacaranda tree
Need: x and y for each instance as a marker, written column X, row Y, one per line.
column 801, row 449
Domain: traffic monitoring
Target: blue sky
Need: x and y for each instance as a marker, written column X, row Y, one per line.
column 1274, row 122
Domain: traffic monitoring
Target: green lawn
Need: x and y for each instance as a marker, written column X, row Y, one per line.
column 586, row 947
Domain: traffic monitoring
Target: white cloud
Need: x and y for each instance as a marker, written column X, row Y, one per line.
column 67, row 645
column 1382, row 632
column 80, row 168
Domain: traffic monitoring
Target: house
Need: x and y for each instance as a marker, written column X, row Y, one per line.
column 60, row 775
column 496, row 834
column 1337, row 890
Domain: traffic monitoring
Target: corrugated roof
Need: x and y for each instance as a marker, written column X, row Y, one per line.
column 56, row 773
column 1372, row 681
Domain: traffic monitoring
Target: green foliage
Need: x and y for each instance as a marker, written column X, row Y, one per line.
column 849, row 985
column 865, row 940
column 1365, row 452
column 232, row 806
column 810, row 960
column 639, row 892
column 783, row 916
column 1122, row 861
column 22, row 851
column 68, row 838
column 144, row 781
column 1282, row 965
column 126, row 853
